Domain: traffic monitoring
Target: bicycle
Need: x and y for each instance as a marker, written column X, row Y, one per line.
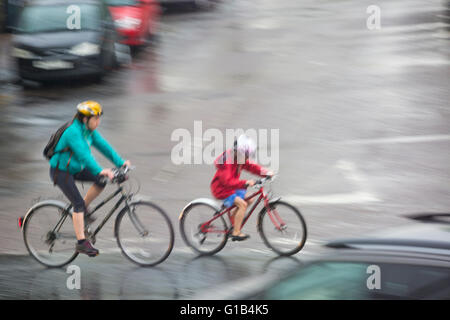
column 280, row 225
column 143, row 231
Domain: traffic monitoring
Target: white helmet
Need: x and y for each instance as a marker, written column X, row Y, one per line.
column 245, row 146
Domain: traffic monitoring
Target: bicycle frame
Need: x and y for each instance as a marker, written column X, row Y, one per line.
column 262, row 196
column 122, row 199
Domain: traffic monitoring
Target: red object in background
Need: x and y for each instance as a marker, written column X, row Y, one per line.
column 135, row 20
column 20, row 222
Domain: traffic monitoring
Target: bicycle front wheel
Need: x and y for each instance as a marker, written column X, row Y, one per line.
column 201, row 232
column 144, row 233
column 49, row 235
column 282, row 228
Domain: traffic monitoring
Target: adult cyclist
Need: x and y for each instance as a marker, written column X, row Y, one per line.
column 73, row 161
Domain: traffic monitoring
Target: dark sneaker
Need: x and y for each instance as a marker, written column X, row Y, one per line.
column 240, row 237
column 87, row 248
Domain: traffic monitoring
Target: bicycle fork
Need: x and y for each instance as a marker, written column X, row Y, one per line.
column 275, row 217
column 136, row 222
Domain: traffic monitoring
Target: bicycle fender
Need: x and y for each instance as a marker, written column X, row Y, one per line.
column 209, row 202
column 274, row 199
column 44, row 203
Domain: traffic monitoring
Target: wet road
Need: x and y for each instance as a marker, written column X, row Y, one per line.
column 363, row 118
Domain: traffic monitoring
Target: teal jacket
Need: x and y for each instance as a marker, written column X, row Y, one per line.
column 79, row 140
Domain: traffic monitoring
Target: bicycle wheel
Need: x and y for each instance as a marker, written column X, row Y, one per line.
column 49, row 235
column 144, row 233
column 283, row 228
column 204, row 238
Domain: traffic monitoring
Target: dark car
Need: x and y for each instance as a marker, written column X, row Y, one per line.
column 58, row 39
column 405, row 263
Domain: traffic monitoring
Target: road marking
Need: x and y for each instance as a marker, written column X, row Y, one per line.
column 340, row 198
column 109, row 250
column 352, row 174
column 401, row 139
column 15, row 253
column 261, row 251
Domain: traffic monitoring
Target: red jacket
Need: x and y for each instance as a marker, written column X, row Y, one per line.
column 226, row 180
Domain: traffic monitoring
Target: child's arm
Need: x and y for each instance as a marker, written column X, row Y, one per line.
column 256, row 169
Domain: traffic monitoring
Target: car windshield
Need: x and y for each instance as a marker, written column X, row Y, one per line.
column 362, row 281
column 118, row 3
column 47, row 18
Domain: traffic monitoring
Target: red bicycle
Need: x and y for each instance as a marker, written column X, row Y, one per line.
column 280, row 225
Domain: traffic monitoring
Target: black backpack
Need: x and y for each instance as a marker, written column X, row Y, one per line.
column 49, row 149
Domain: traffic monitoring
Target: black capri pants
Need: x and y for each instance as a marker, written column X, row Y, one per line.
column 66, row 182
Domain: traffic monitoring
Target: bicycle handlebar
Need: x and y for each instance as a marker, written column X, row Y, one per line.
column 264, row 180
column 120, row 175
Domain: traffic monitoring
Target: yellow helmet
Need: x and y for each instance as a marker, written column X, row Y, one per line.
column 90, row 108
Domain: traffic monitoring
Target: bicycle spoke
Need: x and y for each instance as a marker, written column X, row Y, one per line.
column 144, row 234
column 48, row 236
column 282, row 228
column 203, row 229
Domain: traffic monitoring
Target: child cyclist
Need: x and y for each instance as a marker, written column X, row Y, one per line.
column 226, row 184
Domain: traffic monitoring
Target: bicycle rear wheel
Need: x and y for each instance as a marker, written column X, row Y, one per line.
column 49, row 235
column 144, row 233
column 283, row 228
column 204, row 238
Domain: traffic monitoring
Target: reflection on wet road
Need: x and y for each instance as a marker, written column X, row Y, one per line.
column 109, row 278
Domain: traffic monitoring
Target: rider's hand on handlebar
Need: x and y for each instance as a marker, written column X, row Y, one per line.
column 127, row 163
column 108, row 173
column 250, row 183
column 270, row 174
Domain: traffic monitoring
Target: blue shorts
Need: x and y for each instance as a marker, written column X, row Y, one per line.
column 228, row 202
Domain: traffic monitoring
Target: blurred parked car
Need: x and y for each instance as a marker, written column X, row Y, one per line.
column 10, row 12
column 405, row 263
column 195, row 3
column 135, row 20
column 57, row 39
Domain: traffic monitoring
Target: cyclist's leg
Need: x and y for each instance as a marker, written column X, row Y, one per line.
column 228, row 202
column 66, row 182
column 95, row 189
column 239, row 217
column 233, row 214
